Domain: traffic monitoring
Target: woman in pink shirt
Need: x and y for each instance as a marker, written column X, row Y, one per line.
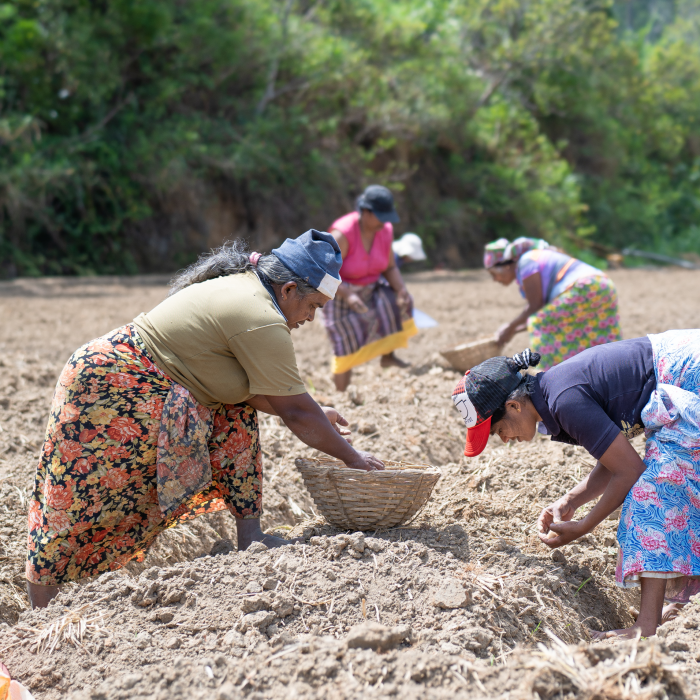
column 371, row 315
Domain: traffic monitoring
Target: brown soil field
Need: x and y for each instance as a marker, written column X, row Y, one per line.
column 462, row 602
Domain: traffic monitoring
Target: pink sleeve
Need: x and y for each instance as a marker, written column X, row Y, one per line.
column 346, row 224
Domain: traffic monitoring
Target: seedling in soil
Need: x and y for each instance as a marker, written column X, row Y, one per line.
column 582, row 585
column 534, row 632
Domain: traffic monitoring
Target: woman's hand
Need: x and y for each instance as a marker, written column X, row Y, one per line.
column 555, row 518
column 505, row 333
column 405, row 300
column 566, row 532
column 336, row 420
column 556, row 512
column 367, row 462
column 356, row 304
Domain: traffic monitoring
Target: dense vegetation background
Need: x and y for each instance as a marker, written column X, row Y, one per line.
column 135, row 133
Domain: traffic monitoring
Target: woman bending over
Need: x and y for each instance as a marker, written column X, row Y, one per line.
column 156, row 422
column 570, row 306
column 600, row 399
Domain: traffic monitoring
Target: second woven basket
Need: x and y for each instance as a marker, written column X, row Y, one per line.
column 359, row 500
column 468, row 355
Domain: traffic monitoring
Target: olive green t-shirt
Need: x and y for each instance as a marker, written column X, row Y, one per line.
column 224, row 340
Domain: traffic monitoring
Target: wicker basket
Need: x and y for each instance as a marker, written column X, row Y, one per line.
column 468, row 355
column 359, row 500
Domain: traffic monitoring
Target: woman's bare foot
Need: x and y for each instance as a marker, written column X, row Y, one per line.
column 670, row 612
column 628, row 633
column 391, row 360
column 249, row 531
column 649, row 616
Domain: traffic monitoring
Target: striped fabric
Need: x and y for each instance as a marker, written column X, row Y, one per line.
column 359, row 338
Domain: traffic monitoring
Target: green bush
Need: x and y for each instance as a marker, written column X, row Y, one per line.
column 135, row 133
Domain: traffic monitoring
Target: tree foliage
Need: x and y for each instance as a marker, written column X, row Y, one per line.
column 134, row 132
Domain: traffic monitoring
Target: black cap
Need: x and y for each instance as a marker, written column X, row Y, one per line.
column 380, row 202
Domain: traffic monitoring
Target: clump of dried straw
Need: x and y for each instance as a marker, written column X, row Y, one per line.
column 631, row 670
column 73, row 627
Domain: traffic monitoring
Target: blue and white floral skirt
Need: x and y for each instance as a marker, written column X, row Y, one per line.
column 659, row 532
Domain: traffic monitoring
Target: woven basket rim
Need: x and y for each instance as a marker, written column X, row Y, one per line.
column 366, row 500
column 390, row 466
column 480, row 342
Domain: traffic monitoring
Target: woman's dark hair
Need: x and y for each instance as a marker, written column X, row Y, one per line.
column 525, row 389
column 521, row 392
column 233, row 258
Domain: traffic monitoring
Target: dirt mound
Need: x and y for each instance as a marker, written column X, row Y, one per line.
column 332, row 618
column 464, row 594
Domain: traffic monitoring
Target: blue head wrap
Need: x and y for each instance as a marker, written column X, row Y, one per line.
column 316, row 258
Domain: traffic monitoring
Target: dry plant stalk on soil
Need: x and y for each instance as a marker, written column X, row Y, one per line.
column 641, row 674
column 72, row 627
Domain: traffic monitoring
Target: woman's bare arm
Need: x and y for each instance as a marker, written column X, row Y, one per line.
column 260, row 403
column 532, row 287
column 343, row 291
column 341, row 240
column 624, row 467
column 393, row 276
column 305, row 418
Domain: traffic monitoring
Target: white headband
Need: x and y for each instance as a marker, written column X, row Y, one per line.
column 329, row 286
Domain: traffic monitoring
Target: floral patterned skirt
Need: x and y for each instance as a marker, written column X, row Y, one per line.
column 659, row 531
column 580, row 317
column 96, row 504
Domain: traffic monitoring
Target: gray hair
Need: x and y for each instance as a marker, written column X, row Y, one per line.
column 233, row 258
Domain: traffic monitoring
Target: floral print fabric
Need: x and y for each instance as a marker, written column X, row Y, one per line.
column 95, row 503
column 183, row 465
column 659, row 531
column 581, row 317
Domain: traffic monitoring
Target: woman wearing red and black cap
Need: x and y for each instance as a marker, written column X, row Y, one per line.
column 600, row 399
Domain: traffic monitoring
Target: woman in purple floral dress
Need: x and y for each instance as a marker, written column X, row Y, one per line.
column 570, row 306
column 599, row 399
column 156, row 422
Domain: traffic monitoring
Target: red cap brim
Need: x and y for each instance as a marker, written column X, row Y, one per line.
column 477, row 437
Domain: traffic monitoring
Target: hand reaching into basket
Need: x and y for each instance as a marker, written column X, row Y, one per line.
column 336, row 421
column 319, row 428
column 367, row 462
